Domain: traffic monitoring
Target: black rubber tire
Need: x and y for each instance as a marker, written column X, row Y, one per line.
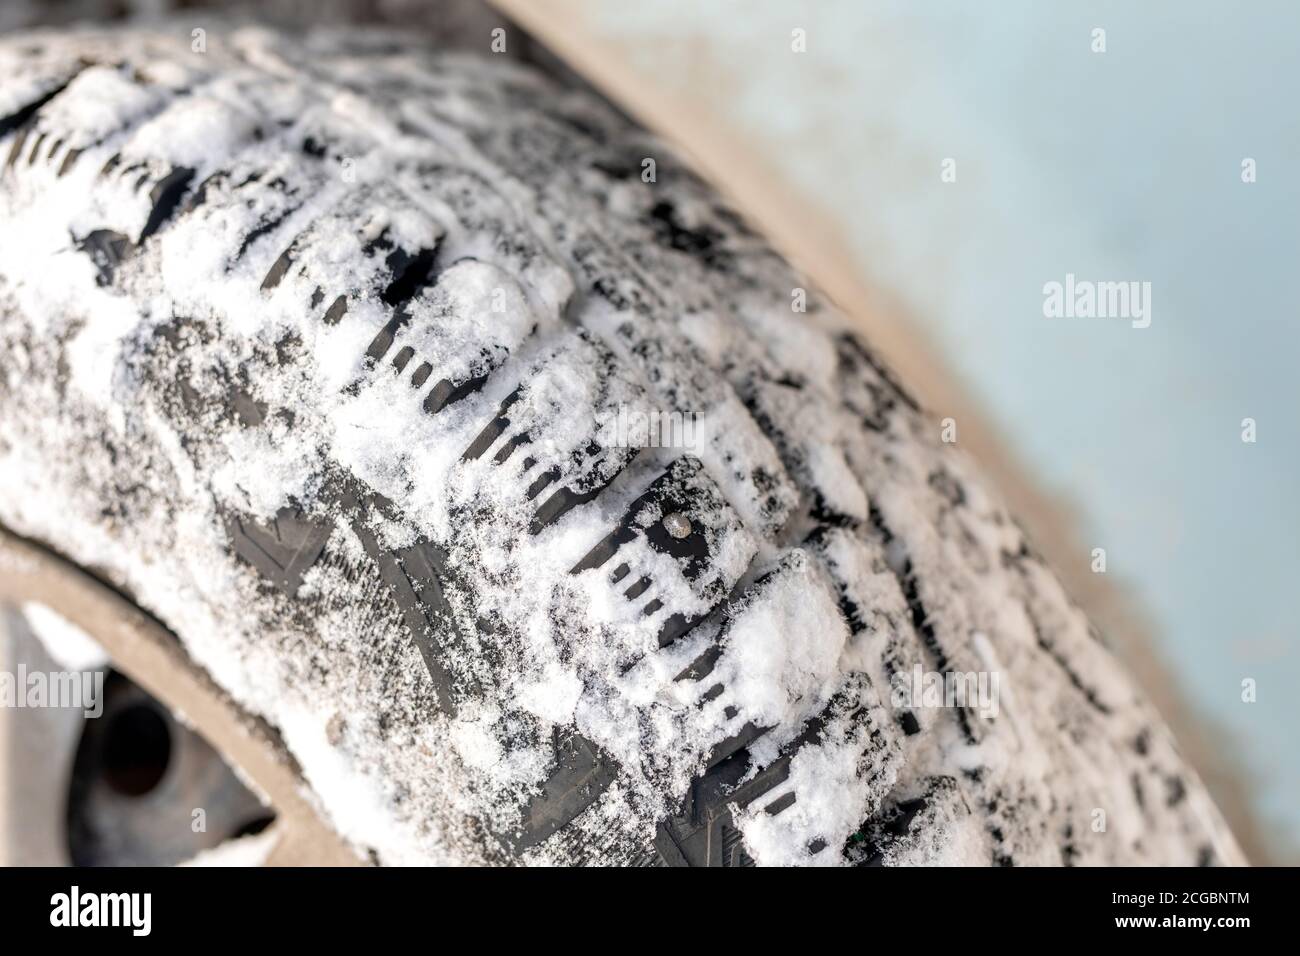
column 317, row 348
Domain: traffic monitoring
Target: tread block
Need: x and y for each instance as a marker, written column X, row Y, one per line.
column 381, row 268
column 245, row 202
column 162, row 201
column 165, row 196
column 138, row 189
column 107, row 250
column 873, row 604
column 445, row 392
column 17, row 148
column 684, row 515
column 871, row 391
column 278, row 269
column 698, row 834
column 492, row 430
column 570, row 462
column 410, row 274
column 416, row 577
column 582, row 774
column 905, row 823
column 700, row 672
column 282, row 550
column 431, row 310
column 89, row 86
column 597, row 467
column 23, row 115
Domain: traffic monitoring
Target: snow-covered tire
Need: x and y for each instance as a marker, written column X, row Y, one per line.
column 500, row 471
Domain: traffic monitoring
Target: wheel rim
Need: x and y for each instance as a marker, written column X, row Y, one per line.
column 158, row 667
